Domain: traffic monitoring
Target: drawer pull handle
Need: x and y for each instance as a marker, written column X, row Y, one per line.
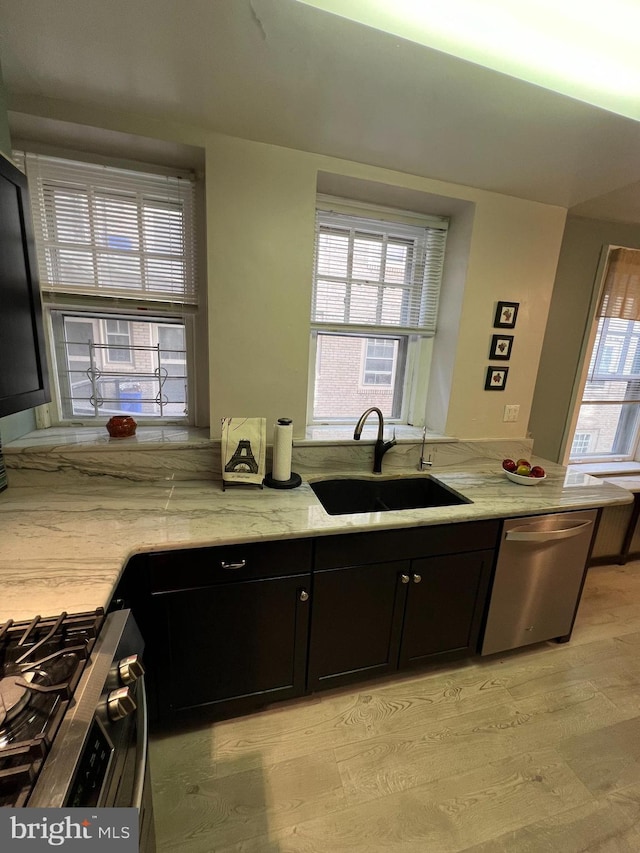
column 405, row 578
column 417, row 578
column 232, row 566
column 304, row 595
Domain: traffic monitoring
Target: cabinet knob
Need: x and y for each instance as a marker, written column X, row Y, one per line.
column 405, row 578
column 231, row 566
column 304, row 595
column 417, row 578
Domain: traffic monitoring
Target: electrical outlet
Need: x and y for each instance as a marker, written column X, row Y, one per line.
column 511, row 413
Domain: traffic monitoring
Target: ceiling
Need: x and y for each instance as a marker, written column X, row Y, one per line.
column 568, row 46
column 284, row 72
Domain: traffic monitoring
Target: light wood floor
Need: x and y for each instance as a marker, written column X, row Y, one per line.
column 537, row 750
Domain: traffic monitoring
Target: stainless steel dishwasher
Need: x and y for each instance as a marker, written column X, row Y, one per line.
column 538, row 579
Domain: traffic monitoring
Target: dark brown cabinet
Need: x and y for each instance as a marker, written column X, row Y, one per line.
column 356, row 623
column 444, row 608
column 24, row 381
column 226, row 628
column 251, row 642
column 233, row 628
column 376, row 617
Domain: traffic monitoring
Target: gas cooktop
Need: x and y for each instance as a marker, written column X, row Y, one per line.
column 40, row 665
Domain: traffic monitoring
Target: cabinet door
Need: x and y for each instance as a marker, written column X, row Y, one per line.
column 356, row 623
column 244, row 641
column 445, row 602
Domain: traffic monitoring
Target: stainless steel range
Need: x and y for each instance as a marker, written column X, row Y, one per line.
column 73, row 720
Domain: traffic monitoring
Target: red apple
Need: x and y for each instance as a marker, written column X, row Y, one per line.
column 509, row 465
column 537, row 471
column 523, row 462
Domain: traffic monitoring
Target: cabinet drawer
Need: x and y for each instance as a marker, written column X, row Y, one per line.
column 409, row 543
column 195, row 567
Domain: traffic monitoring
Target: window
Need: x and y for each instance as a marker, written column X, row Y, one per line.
column 151, row 380
column 582, row 442
column 608, row 420
column 380, row 360
column 118, row 334
column 117, row 265
column 375, row 297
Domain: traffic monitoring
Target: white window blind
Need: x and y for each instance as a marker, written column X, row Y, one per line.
column 372, row 273
column 106, row 231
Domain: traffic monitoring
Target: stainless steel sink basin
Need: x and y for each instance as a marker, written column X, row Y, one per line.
column 343, row 496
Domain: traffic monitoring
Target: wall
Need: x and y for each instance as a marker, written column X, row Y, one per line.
column 5, row 139
column 567, row 325
column 513, row 258
column 260, row 221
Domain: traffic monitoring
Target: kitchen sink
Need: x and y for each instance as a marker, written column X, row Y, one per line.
column 348, row 495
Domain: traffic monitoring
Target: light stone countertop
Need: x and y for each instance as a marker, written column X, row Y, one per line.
column 66, row 535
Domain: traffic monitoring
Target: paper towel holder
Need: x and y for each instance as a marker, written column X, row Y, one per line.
column 294, row 479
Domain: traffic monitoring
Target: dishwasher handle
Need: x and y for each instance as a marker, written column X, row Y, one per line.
column 525, row 534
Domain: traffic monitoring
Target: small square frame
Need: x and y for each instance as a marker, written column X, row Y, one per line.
column 496, row 379
column 506, row 314
column 501, row 347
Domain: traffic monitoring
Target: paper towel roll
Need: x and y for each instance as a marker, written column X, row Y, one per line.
column 282, row 445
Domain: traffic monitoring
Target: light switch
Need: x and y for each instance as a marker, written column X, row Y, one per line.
column 511, row 413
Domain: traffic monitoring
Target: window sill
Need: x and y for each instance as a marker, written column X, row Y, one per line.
column 343, row 434
column 97, row 438
column 150, row 437
column 607, row 469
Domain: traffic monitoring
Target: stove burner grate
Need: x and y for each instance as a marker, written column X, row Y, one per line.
column 40, row 665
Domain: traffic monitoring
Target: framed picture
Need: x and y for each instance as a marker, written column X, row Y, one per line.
column 496, row 378
column 506, row 313
column 501, row 347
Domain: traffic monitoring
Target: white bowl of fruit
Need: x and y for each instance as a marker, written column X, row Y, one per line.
column 523, row 472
